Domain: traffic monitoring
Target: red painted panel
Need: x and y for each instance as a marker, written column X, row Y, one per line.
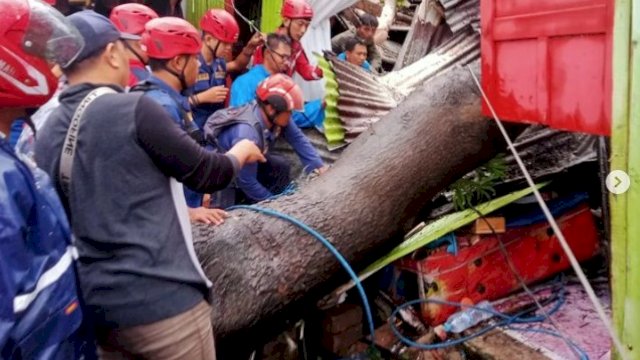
column 548, row 62
column 480, row 271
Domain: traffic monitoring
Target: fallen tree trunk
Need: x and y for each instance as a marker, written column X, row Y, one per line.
column 261, row 266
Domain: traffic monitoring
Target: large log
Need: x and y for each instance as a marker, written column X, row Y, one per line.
column 261, row 266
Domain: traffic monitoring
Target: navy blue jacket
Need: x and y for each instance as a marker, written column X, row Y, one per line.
column 208, row 77
column 39, row 306
column 177, row 106
column 232, row 134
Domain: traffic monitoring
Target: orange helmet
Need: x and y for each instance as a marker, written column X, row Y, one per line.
column 33, row 35
column 131, row 18
column 221, row 25
column 281, row 92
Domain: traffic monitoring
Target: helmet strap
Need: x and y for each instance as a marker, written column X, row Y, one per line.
column 29, row 121
column 270, row 118
column 179, row 75
column 214, row 50
column 289, row 29
column 130, row 48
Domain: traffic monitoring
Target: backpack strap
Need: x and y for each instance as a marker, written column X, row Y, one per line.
column 71, row 140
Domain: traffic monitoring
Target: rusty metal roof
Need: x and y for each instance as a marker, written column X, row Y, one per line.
column 364, row 98
column 434, row 22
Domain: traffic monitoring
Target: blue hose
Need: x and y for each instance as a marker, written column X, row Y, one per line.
column 328, row 245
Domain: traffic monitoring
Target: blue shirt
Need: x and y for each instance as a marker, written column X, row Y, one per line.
column 243, row 91
column 365, row 65
column 208, row 77
column 247, row 179
column 171, row 100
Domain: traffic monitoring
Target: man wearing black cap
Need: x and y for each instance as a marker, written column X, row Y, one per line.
column 115, row 158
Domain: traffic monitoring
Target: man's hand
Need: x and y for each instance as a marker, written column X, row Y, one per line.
column 246, row 152
column 207, row 216
column 213, row 95
column 256, row 40
column 322, row 170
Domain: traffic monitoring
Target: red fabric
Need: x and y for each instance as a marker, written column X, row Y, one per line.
column 138, row 65
column 298, row 58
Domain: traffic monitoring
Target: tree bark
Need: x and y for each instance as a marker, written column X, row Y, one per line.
column 261, row 266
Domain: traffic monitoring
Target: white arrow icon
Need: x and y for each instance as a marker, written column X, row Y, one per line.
column 618, row 182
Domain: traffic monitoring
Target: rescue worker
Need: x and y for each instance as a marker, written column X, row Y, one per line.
column 130, row 19
column 262, row 122
column 220, row 31
column 296, row 18
column 173, row 46
column 277, row 56
column 355, row 52
column 141, row 281
column 368, row 24
column 40, row 313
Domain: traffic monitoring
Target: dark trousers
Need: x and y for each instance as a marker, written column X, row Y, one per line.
column 274, row 174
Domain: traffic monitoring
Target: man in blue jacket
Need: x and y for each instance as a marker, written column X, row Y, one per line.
column 173, row 46
column 220, row 32
column 262, row 121
column 277, row 56
column 40, row 312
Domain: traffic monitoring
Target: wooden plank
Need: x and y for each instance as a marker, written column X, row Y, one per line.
column 632, row 297
column 497, row 345
column 619, row 158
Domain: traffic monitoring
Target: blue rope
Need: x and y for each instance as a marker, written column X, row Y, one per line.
column 507, row 321
column 328, row 245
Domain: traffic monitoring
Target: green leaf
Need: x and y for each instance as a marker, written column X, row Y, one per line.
column 437, row 229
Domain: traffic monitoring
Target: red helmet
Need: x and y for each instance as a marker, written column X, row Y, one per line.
column 296, row 9
column 32, row 33
column 281, row 92
column 221, row 25
column 130, row 18
column 168, row 37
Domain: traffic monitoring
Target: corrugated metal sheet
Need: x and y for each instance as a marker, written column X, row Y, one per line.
column 364, row 98
column 434, row 22
column 462, row 48
column 389, row 51
column 461, row 13
column 426, row 33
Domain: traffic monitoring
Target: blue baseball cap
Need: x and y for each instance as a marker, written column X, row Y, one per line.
column 97, row 32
